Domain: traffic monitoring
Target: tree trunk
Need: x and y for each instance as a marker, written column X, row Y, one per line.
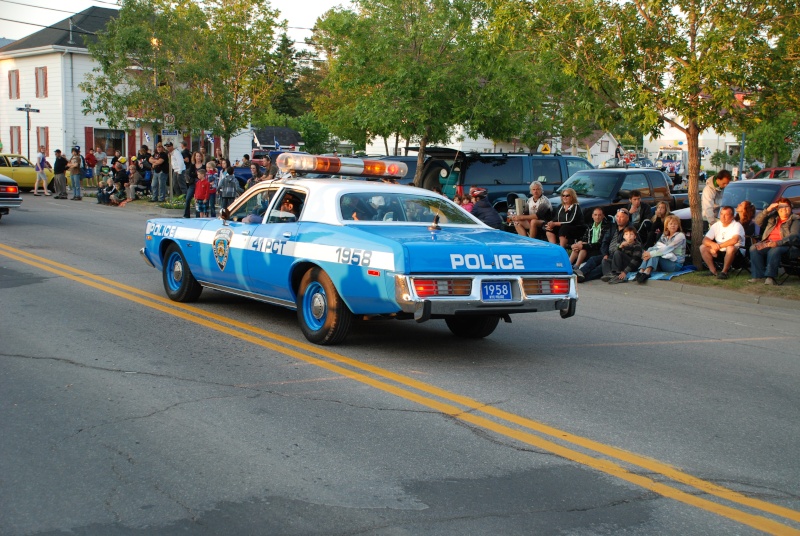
column 692, row 138
column 386, row 145
column 423, row 142
column 774, row 162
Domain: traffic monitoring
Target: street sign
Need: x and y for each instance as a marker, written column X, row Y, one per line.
column 169, row 119
column 167, row 132
column 28, row 108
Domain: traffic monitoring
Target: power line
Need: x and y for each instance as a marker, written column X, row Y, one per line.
column 52, row 28
column 53, row 8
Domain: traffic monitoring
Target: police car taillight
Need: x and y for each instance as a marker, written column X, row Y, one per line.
column 9, row 189
column 538, row 287
column 442, row 287
column 310, row 163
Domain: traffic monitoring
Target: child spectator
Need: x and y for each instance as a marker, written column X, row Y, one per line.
column 229, row 188
column 657, row 227
column 589, row 245
column 627, row 258
column 202, row 193
column 213, row 184
column 105, row 191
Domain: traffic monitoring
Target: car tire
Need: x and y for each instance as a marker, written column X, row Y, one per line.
column 179, row 283
column 324, row 317
column 430, row 180
column 472, row 327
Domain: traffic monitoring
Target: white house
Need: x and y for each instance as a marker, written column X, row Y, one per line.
column 44, row 70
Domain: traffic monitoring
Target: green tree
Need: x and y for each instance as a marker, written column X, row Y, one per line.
column 772, row 141
column 680, row 63
column 398, row 67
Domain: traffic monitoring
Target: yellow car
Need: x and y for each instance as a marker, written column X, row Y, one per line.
column 19, row 168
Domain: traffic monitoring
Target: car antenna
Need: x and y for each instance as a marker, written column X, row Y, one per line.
column 435, row 225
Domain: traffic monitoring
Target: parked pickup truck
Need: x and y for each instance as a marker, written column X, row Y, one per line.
column 611, row 188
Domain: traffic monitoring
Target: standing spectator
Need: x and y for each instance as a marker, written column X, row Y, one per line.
column 781, row 230
column 186, row 154
column 589, row 245
column 568, row 222
column 537, row 212
column 712, row 195
column 196, row 164
column 627, row 258
column 255, row 177
column 206, row 156
column 41, row 165
column 116, row 157
column 201, row 193
column 218, row 156
column 618, row 153
column 60, row 178
column 101, row 159
column 213, row 183
column 640, row 215
column 160, row 167
column 178, row 169
column 669, row 253
column 75, row 165
column 725, row 236
column 272, row 170
column 229, row 188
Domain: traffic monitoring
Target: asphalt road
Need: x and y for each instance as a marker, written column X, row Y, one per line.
column 121, row 413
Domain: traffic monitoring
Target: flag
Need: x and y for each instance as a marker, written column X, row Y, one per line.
column 277, row 145
column 147, row 137
column 209, row 137
column 255, row 139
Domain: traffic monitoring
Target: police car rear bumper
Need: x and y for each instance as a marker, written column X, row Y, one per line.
column 439, row 306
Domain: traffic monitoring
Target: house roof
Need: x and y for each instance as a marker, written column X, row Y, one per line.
column 285, row 136
column 84, row 25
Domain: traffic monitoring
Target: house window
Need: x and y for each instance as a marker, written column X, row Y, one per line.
column 41, row 82
column 16, row 140
column 604, row 146
column 110, row 141
column 13, row 84
column 43, row 138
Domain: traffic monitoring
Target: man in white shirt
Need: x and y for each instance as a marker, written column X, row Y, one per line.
column 178, row 168
column 724, row 238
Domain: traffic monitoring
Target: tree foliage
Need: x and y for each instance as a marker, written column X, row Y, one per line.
column 772, row 141
column 210, row 65
column 682, row 62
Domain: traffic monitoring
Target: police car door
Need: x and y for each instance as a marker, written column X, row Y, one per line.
column 269, row 258
column 224, row 243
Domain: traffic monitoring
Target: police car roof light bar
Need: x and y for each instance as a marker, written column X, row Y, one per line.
column 342, row 166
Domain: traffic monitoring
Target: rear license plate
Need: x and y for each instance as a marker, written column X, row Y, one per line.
column 493, row 291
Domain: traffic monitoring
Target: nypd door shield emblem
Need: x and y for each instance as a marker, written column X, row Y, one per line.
column 222, row 243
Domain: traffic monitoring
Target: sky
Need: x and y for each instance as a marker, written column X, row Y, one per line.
column 42, row 13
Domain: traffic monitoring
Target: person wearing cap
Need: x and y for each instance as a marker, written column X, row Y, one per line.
column 599, row 266
column 483, row 210
column 60, row 175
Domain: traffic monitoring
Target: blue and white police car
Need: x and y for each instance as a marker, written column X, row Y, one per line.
column 336, row 249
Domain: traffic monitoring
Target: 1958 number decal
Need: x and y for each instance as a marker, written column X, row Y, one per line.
column 359, row 257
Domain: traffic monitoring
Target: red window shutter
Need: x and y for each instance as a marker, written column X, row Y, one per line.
column 89, row 138
column 188, row 140
column 132, row 143
column 46, row 140
column 44, row 69
column 17, row 72
column 10, row 81
column 36, row 76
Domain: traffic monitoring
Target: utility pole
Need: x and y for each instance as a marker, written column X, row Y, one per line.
column 28, row 111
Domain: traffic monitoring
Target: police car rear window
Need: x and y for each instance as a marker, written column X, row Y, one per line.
column 389, row 208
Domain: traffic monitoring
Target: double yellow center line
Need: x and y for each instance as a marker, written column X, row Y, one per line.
column 610, row 460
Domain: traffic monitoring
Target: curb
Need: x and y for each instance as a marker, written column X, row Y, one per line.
column 712, row 292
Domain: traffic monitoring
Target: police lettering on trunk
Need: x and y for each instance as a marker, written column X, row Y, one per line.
column 473, row 261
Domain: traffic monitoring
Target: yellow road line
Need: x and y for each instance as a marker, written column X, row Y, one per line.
column 196, row 315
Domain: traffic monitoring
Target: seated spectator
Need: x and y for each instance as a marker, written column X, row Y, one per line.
column 538, row 211
column 657, row 226
column 781, row 230
column 723, row 239
column 745, row 212
column 627, row 258
column 600, row 265
column 589, row 245
column 640, row 215
column 668, row 254
column 134, row 180
column 104, row 192
column 255, row 177
column 483, row 210
column 567, row 225
column 121, row 178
